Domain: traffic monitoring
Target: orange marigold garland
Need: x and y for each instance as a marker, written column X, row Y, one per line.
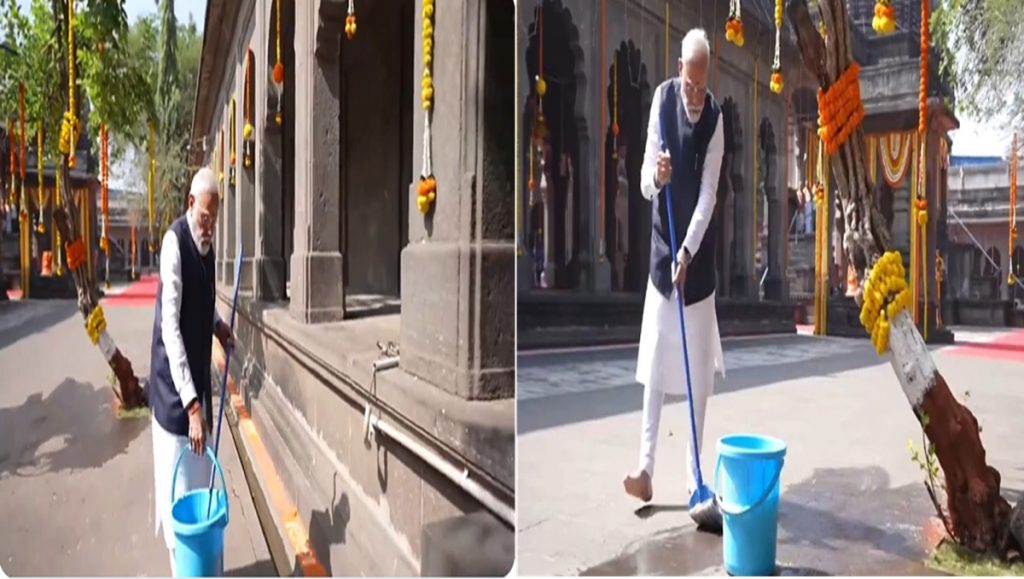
column 776, row 83
column 350, row 20
column 884, row 21
column 278, row 76
column 734, row 25
column 427, row 188
column 840, row 110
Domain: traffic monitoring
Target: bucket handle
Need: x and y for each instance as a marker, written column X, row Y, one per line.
column 764, row 496
column 216, row 466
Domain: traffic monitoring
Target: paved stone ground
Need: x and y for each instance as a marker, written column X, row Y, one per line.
column 852, row 501
column 76, row 483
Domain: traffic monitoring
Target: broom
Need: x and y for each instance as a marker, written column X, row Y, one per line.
column 703, row 506
column 224, row 378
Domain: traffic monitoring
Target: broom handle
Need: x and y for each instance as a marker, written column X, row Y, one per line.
column 682, row 326
column 224, row 379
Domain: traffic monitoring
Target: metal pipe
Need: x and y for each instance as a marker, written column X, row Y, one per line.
column 444, row 466
column 983, row 251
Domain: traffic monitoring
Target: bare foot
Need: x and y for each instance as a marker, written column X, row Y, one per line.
column 639, row 485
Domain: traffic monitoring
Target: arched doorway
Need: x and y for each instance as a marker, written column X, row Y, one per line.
column 551, row 126
column 624, row 157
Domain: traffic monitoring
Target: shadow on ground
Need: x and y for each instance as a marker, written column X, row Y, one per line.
column 559, row 410
column 32, row 318
column 263, row 568
column 72, row 428
column 845, row 521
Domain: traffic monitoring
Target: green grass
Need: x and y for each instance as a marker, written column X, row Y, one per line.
column 957, row 560
column 142, row 412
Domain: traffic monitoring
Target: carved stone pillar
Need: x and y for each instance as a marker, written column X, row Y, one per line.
column 774, row 283
column 268, row 260
column 317, row 287
column 458, row 297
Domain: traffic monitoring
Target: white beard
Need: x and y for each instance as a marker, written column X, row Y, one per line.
column 692, row 116
column 197, row 237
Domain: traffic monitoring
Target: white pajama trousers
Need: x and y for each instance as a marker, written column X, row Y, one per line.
column 194, row 473
column 661, row 370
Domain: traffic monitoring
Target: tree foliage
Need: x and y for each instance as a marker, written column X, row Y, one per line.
column 981, row 48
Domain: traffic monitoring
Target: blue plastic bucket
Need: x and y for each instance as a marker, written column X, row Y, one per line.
column 199, row 540
column 747, row 488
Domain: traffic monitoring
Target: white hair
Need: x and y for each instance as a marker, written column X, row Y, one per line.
column 695, row 46
column 204, row 182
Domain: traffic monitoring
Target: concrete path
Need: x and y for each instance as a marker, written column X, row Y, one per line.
column 76, row 483
column 853, row 502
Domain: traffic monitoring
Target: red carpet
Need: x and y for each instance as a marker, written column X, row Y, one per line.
column 1009, row 346
column 139, row 293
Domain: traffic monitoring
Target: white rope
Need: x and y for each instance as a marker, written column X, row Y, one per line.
column 428, row 165
column 351, row 7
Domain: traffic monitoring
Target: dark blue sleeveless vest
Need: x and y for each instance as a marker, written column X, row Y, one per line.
column 196, row 321
column 688, row 145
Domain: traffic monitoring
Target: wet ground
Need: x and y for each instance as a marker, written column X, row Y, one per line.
column 842, row 522
column 853, row 502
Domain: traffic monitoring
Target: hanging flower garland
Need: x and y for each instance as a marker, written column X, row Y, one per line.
column 150, row 183
column 104, row 190
column 247, row 128
column 840, row 110
column 13, row 195
column 220, row 149
column 884, row 21
column 921, row 203
column 734, row 25
column 69, row 124
column 894, row 149
column 278, row 75
column 885, row 296
column 1013, row 203
column 615, row 107
column 427, row 188
column 540, row 87
column 231, row 144
column 776, row 83
column 39, row 175
column 350, row 20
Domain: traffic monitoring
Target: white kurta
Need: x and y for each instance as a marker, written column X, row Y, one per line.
column 660, row 360
column 195, row 470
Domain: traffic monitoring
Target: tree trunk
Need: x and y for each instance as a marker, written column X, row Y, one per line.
column 66, row 221
column 979, row 516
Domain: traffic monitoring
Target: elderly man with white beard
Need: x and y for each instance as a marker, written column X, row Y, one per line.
column 689, row 160
column 185, row 321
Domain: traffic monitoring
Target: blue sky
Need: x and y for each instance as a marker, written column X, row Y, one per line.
column 136, row 8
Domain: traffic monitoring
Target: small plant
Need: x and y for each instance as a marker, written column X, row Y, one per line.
column 928, row 462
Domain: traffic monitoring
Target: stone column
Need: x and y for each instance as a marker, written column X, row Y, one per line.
column 317, row 286
column 774, row 283
column 229, row 197
column 742, row 265
column 268, row 263
column 458, row 294
column 245, row 197
column 222, row 220
column 268, row 260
